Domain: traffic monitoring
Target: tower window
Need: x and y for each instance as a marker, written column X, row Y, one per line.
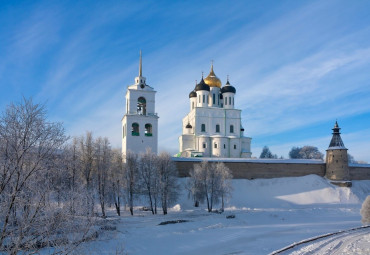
column 207, row 99
column 231, row 129
column 135, row 129
column 148, row 129
column 230, row 101
column 204, row 98
column 192, row 105
column 233, row 101
column 204, row 146
column 213, row 98
column 217, row 128
column 225, row 100
column 215, row 145
column 234, row 146
column 199, row 98
column 224, row 146
column 203, row 128
column 141, row 106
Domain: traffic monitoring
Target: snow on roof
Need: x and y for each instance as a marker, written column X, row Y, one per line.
column 241, row 160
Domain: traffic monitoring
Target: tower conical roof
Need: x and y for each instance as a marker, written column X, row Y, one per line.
column 336, row 141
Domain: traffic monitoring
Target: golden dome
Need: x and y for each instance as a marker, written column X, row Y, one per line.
column 212, row 80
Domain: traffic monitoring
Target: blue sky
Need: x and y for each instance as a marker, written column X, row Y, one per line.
column 297, row 65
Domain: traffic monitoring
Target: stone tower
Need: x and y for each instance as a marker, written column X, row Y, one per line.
column 337, row 169
column 140, row 122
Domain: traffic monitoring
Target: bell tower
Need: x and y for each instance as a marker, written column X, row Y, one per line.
column 140, row 122
column 337, row 169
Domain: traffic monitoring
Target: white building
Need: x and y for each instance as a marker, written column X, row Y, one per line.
column 140, row 122
column 213, row 128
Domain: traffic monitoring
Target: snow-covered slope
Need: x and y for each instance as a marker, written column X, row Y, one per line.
column 269, row 214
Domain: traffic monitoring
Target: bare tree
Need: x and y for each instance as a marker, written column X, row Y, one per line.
column 116, row 179
column 130, row 173
column 148, row 171
column 168, row 186
column 365, row 211
column 102, row 164
column 87, row 160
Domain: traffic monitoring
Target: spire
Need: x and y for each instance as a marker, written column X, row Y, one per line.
column 140, row 67
column 336, row 140
column 212, row 66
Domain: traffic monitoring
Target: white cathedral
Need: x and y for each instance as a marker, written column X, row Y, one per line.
column 213, row 127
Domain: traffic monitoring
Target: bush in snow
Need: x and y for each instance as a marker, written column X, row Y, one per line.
column 365, row 211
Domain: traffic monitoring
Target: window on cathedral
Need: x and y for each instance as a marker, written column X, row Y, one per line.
column 204, row 98
column 234, row 146
column 217, row 128
column 207, row 99
column 224, row 146
column 215, row 145
column 231, row 129
column 148, row 129
column 203, row 128
column 225, row 100
column 213, row 98
column 135, row 129
column 192, row 105
column 204, row 146
column 199, row 98
column 233, row 101
column 141, row 106
column 230, row 103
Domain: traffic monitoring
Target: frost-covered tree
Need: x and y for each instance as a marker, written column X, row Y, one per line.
column 365, row 211
column 31, row 153
column 168, row 187
column 310, row 152
column 305, row 152
column 209, row 182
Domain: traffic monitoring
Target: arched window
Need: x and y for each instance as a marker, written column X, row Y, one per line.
column 224, row 146
column 217, row 128
column 225, row 100
column 231, row 128
column 213, row 98
column 203, row 128
column 148, row 129
column 204, row 145
column 234, row 146
column 135, row 129
column 215, row 145
column 141, row 106
column 204, row 98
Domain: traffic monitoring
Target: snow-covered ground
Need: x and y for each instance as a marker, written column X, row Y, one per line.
column 269, row 215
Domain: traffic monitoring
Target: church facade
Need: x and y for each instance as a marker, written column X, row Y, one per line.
column 140, row 122
column 213, row 127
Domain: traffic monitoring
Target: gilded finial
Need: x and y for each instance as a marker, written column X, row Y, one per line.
column 140, row 67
